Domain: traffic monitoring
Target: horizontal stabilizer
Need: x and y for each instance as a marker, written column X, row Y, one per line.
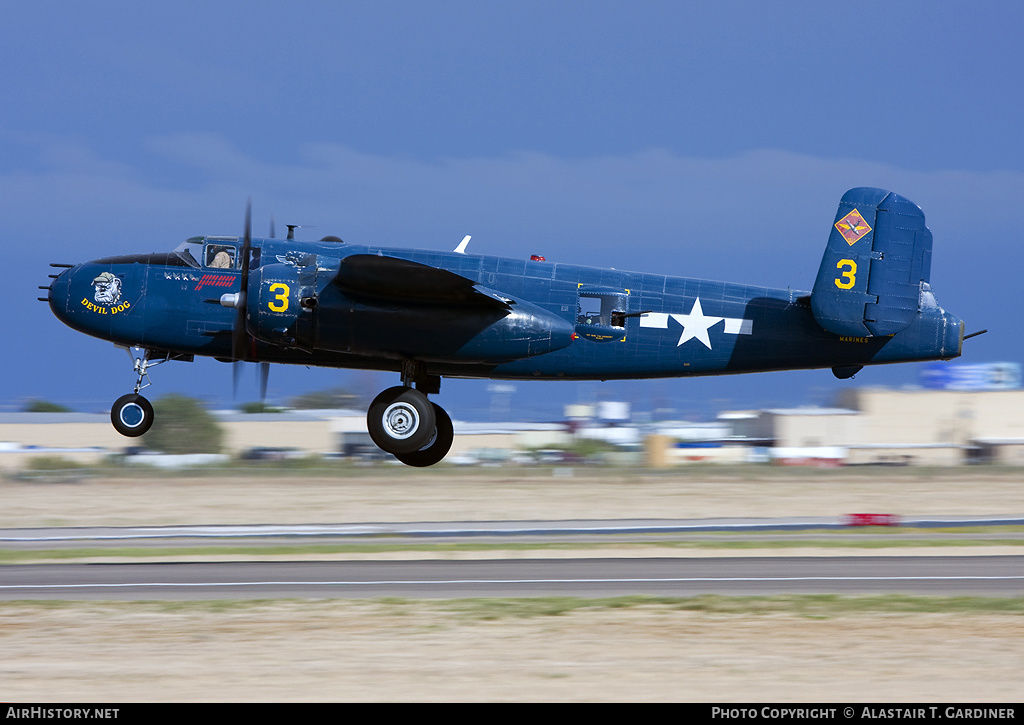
column 877, row 262
column 391, row 279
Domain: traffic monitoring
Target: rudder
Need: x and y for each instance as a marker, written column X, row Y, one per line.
column 877, row 259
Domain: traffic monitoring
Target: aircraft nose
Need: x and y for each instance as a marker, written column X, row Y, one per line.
column 102, row 299
column 59, row 289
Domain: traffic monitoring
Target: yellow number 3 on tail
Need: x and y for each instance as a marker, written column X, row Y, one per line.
column 848, row 278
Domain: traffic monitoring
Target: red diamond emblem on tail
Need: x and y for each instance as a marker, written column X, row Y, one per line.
column 852, row 227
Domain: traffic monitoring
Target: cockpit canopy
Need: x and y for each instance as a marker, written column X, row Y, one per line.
column 210, row 252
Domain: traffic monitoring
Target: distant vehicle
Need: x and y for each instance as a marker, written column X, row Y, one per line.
column 430, row 314
column 361, row 447
column 268, row 453
column 551, row 455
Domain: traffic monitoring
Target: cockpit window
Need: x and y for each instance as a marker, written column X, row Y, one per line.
column 190, row 251
column 220, row 256
column 212, row 252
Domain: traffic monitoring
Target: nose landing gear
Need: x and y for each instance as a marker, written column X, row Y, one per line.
column 131, row 414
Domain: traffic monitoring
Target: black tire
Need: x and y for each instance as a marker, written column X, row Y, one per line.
column 132, row 415
column 438, row 445
column 400, row 420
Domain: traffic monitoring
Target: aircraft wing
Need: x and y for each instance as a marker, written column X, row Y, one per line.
column 369, row 276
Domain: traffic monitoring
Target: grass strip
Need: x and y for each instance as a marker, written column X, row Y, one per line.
column 303, row 550
column 811, row 606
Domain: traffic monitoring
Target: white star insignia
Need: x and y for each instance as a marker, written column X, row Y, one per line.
column 696, row 325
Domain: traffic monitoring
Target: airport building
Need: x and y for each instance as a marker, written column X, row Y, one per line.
column 868, row 426
column 88, row 438
column 919, row 427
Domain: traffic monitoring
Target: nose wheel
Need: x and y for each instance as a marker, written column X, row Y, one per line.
column 132, row 415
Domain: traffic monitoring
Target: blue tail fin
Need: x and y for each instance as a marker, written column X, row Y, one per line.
column 877, row 261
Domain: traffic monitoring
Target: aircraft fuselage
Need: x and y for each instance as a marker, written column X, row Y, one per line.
column 429, row 314
column 652, row 325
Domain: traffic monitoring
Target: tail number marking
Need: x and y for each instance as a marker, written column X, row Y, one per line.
column 847, row 278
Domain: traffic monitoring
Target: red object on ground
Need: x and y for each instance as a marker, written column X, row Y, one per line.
column 871, row 520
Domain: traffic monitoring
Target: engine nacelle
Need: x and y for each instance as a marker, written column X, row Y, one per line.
column 281, row 304
column 395, row 308
column 284, row 308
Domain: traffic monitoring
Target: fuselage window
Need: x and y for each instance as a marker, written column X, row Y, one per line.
column 590, row 311
column 602, row 309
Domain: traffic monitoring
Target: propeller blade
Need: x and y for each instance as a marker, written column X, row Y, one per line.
column 240, row 340
column 239, row 337
column 273, row 233
column 247, row 241
column 264, row 377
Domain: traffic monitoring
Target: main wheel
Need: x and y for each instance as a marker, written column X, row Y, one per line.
column 400, row 420
column 132, row 415
column 438, row 445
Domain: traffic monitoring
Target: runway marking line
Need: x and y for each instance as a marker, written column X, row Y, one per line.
column 388, row 582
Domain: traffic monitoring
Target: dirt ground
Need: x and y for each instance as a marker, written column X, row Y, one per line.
column 516, row 495
column 422, row 651
column 345, row 651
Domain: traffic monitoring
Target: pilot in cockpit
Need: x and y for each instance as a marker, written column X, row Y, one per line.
column 220, row 257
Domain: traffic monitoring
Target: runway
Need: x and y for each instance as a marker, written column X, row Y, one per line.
column 431, row 579
column 415, row 568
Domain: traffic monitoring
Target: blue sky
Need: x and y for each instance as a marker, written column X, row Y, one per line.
column 702, row 139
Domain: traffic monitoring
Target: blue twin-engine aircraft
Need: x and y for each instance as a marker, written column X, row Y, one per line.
column 429, row 314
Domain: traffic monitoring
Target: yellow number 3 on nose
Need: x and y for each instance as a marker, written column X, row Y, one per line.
column 282, row 306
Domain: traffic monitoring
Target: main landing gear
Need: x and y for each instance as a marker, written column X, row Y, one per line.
column 402, row 422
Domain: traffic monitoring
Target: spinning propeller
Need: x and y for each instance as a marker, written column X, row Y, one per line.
column 241, row 341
